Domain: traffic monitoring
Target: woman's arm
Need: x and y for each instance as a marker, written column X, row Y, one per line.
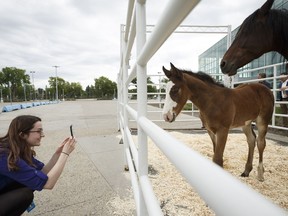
column 56, row 170
column 54, row 158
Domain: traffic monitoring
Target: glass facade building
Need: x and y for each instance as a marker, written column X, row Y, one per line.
column 209, row 61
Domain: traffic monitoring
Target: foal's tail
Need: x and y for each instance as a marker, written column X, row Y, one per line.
column 252, row 130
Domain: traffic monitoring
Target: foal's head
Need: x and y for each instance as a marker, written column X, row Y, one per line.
column 177, row 93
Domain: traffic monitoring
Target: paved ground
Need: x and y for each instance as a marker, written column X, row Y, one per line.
column 94, row 174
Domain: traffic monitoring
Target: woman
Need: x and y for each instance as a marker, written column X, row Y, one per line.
column 20, row 172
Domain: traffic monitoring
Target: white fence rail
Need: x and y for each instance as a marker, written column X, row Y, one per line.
column 228, row 196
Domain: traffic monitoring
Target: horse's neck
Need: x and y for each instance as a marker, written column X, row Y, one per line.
column 284, row 52
column 281, row 39
column 282, row 49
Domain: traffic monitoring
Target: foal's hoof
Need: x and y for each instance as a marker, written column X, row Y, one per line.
column 244, row 174
column 261, row 179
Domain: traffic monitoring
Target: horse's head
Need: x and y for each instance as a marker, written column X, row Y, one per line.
column 253, row 39
column 176, row 94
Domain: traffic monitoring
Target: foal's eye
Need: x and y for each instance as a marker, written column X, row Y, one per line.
column 174, row 92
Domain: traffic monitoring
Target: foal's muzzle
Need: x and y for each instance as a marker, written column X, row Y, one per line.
column 169, row 116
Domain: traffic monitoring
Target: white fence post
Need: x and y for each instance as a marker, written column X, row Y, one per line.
column 141, row 98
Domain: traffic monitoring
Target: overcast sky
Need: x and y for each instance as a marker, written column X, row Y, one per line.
column 83, row 36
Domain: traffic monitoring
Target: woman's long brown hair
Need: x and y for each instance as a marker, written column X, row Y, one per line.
column 14, row 144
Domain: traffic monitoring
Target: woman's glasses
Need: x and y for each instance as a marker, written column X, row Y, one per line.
column 38, row 131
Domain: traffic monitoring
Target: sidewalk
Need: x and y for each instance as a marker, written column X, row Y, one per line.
column 94, row 174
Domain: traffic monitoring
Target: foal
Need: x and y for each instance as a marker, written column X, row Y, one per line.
column 222, row 109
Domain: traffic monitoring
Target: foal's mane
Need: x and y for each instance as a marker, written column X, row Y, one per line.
column 204, row 77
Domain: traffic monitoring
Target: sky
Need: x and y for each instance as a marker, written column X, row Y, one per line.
column 82, row 37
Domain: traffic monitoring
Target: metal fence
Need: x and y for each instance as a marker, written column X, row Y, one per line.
column 200, row 170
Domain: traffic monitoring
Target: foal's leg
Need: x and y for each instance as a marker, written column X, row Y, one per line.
column 250, row 137
column 221, row 138
column 261, row 144
column 213, row 138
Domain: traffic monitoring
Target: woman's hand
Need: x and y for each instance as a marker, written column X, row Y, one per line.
column 68, row 145
column 60, row 148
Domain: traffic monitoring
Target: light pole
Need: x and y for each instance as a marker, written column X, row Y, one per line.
column 56, row 94
column 159, row 90
column 24, row 88
column 32, row 74
column 10, row 93
column 1, row 96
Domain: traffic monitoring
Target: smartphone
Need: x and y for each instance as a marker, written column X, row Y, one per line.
column 71, row 131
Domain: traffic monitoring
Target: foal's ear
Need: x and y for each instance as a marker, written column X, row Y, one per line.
column 176, row 73
column 166, row 72
column 264, row 10
column 172, row 66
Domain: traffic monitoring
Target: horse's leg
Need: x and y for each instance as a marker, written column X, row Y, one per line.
column 250, row 137
column 221, row 138
column 213, row 138
column 261, row 144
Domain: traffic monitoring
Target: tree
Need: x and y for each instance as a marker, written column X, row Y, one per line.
column 105, row 88
column 151, row 88
column 162, row 87
column 90, row 91
column 71, row 90
column 13, row 80
column 60, row 85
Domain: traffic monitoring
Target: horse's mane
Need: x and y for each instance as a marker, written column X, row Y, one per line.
column 204, row 77
column 277, row 19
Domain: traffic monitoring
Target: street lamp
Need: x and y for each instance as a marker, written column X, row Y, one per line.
column 10, row 93
column 24, row 88
column 1, row 96
column 56, row 94
column 159, row 90
column 32, row 74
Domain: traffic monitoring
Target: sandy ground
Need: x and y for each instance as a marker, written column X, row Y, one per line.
column 180, row 199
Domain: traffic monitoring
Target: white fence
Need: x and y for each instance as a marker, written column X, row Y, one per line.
column 238, row 199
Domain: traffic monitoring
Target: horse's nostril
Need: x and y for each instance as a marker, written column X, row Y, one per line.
column 222, row 64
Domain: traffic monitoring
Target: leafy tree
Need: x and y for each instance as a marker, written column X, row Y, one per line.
column 163, row 80
column 60, row 85
column 105, row 88
column 18, row 82
column 150, row 87
column 71, row 90
column 13, row 79
column 90, row 91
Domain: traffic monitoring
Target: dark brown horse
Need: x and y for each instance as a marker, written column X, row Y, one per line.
column 222, row 109
column 263, row 31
